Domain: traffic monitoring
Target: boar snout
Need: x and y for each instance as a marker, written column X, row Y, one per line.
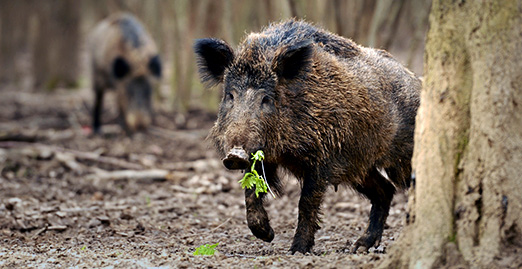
column 237, row 158
column 137, row 120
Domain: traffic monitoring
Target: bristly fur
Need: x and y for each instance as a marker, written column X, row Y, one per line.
column 322, row 107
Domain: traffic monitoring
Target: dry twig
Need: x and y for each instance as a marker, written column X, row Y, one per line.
column 91, row 156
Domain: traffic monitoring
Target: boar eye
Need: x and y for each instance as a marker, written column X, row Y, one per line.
column 120, row 68
column 155, row 66
column 229, row 96
column 267, row 100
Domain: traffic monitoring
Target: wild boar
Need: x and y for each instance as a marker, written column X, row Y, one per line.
column 124, row 58
column 320, row 106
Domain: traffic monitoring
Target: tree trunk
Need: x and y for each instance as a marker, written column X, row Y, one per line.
column 13, row 38
column 186, row 24
column 56, row 59
column 384, row 23
column 42, row 44
column 466, row 204
column 7, row 46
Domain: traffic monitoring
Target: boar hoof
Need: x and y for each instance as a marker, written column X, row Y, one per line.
column 261, row 229
column 264, row 233
column 366, row 242
column 301, row 247
column 236, row 158
column 96, row 131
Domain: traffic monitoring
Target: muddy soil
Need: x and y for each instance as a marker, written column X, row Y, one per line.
column 65, row 202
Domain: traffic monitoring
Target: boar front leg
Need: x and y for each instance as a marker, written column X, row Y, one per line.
column 312, row 194
column 97, row 109
column 257, row 218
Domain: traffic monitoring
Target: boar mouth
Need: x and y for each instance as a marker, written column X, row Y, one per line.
column 236, row 159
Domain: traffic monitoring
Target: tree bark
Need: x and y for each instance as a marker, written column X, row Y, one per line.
column 466, row 204
column 42, row 44
column 56, row 52
column 384, row 23
column 14, row 25
column 8, row 12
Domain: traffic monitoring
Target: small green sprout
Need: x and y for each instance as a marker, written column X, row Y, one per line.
column 205, row 250
column 253, row 178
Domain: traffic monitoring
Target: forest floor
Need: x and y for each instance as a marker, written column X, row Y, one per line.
column 70, row 199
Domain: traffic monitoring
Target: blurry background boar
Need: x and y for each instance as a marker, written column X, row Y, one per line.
column 322, row 107
column 124, row 58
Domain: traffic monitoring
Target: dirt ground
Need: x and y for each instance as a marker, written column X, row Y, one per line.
column 65, row 200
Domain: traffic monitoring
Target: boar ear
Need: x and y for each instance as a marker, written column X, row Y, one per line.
column 291, row 60
column 120, row 68
column 155, row 66
column 213, row 57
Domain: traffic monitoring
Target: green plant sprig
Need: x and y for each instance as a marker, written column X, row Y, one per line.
column 205, row 250
column 253, row 178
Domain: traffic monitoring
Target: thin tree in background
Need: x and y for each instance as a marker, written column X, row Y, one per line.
column 14, row 38
column 56, row 48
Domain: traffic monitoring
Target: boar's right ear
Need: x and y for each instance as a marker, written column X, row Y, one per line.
column 289, row 61
column 213, row 57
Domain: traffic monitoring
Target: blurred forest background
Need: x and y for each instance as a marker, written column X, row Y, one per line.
column 42, row 43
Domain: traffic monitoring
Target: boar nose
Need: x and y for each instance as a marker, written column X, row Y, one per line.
column 237, row 158
column 137, row 120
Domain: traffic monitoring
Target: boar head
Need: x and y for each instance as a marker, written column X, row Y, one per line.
column 255, row 80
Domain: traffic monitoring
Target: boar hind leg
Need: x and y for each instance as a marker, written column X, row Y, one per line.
column 380, row 192
column 97, row 110
column 312, row 194
column 257, row 218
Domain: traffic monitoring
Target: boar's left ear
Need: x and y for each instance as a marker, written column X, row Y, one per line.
column 289, row 61
column 155, row 66
column 213, row 56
